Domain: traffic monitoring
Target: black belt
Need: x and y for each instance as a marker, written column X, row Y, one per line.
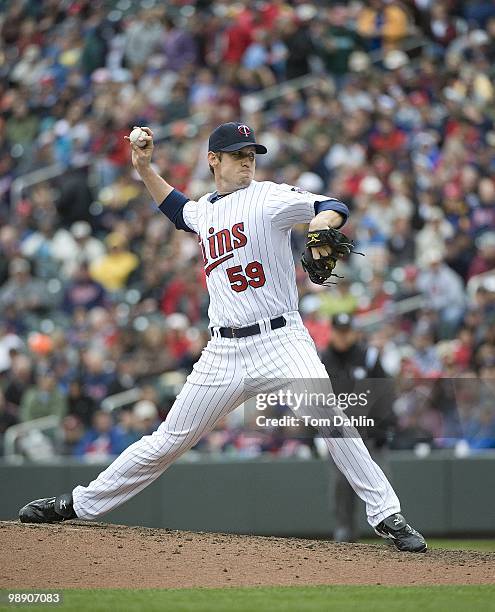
column 250, row 330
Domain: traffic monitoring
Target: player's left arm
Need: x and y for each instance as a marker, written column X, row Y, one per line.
column 327, row 219
column 289, row 206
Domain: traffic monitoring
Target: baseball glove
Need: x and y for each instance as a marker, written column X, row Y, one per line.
column 320, row 270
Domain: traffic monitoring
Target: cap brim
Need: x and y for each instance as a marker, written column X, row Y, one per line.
column 260, row 149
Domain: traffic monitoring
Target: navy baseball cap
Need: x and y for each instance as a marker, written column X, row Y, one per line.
column 342, row 320
column 232, row 137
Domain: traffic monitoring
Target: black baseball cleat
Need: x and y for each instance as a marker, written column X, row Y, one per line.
column 48, row 510
column 404, row 537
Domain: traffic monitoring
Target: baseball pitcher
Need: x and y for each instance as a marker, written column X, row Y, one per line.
column 257, row 333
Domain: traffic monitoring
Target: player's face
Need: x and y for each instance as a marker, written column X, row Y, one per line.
column 235, row 170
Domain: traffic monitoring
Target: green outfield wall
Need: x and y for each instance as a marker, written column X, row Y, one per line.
column 440, row 495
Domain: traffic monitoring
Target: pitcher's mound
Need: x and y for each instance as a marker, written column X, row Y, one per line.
column 76, row 554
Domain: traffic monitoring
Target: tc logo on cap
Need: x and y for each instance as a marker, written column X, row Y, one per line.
column 244, row 130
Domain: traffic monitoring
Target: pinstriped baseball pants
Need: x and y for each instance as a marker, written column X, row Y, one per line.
column 229, row 371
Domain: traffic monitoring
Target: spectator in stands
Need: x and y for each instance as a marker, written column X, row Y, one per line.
column 79, row 405
column 441, row 26
column 44, row 399
column 432, row 237
column 22, row 291
column 179, row 47
column 383, row 23
column 82, row 291
column 71, row 433
column 339, row 300
column 295, row 34
column 145, row 417
column 125, row 427
column 84, row 248
column 483, row 215
column 444, row 292
column 484, row 260
column 9, row 343
column 125, row 375
column 96, row 48
column 19, row 378
column 238, row 35
column 48, row 247
column 142, row 37
column 113, row 269
column 21, row 128
column 95, row 376
column 75, row 196
column 401, row 244
column 426, row 359
column 264, row 58
column 102, row 441
column 336, row 41
column 150, row 357
column 479, row 431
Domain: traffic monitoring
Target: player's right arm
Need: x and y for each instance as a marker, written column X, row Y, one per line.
column 169, row 200
column 141, row 160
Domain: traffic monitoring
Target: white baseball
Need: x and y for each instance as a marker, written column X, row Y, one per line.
column 137, row 136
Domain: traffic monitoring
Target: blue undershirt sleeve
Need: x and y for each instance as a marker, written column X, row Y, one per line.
column 172, row 207
column 332, row 204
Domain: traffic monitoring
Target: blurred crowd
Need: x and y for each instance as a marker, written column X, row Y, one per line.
column 386, row 104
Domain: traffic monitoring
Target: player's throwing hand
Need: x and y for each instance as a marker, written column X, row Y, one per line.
column 141, row 155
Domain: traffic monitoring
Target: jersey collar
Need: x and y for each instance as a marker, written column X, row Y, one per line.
column 215, row 196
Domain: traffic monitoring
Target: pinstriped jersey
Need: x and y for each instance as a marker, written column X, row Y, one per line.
column 245, row 242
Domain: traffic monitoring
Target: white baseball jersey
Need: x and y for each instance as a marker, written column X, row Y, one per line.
column 245, row 240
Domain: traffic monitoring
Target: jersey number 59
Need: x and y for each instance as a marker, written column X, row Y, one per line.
column 253, row 275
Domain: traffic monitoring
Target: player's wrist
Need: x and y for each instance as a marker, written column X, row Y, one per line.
column 326, row 219
column 318, row 225
column 145, row 170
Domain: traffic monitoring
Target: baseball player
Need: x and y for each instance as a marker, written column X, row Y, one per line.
column 257, row 333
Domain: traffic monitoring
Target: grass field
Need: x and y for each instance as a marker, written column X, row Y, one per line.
column 281, row 599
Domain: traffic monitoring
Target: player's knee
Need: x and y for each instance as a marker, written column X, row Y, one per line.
column 172, row 443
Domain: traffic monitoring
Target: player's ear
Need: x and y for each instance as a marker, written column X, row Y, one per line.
column 213, row 159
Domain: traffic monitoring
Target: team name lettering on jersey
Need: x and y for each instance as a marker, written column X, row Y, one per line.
column 221, row 244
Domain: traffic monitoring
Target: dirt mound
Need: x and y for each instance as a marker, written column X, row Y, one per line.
column 77, row 555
